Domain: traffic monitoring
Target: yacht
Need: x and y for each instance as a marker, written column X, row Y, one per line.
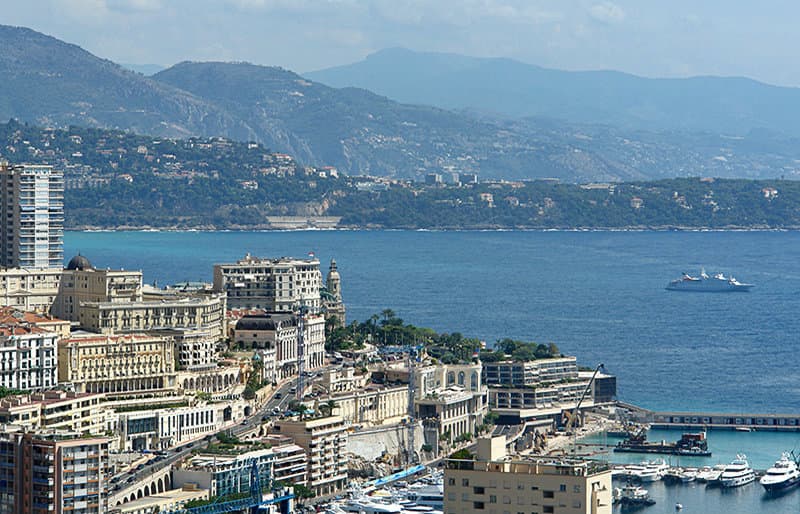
column 717, row 283
column 737, row 473
column 633, row 496
column 709, row 474
column 429, row 496
column 782, row 475
column 366, row 505
column 653, row 471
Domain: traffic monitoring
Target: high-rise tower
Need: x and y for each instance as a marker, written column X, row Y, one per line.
column 32, row 210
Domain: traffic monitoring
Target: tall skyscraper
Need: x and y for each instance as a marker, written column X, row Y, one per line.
column 32, row 210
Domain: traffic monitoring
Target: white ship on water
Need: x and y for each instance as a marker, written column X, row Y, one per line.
column 716, row 283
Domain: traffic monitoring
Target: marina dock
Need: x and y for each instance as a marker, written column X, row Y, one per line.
column 714, row 421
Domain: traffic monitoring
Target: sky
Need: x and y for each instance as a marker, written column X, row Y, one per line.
column 652, row 38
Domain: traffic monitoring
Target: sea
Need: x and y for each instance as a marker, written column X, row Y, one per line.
column 598, row 295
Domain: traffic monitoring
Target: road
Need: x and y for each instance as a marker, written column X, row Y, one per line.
column 172, row 455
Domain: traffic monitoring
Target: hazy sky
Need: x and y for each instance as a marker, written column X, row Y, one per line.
column 645, row 37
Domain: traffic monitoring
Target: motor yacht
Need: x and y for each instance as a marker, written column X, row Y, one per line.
column 737, row 473
column 782, row 475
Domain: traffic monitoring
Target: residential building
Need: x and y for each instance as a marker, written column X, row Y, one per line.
column 28, row 359
column 529, row 373
column 82, row 283
column 82, row 413
column 32, row 211
column 32, row 290
column 115, row 364
column 222, row 473
column 275, row 285
column 373, row 404
column 52, row 473
column 495, row 484
column 325, row 442
column 201, row 312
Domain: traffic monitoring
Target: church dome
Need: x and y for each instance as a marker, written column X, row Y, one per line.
column 79, row 262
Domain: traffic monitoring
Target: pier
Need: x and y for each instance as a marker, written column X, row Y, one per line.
column 714, row 421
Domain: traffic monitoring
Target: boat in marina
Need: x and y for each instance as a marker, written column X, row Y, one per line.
column 783, row 475
column 632, row 496
column 704, row 283
column 428, row 495
column 737, row 473
column 710, row 474
column 653, row 471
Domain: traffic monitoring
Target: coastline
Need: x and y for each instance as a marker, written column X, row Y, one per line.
column 259, row 228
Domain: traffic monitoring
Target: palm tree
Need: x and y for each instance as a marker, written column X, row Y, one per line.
column 327, row 407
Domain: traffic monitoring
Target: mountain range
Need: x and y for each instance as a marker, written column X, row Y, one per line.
column 445, row 124
column 728, row 105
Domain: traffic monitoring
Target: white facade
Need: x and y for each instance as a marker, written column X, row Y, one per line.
column 164, row 428
column 28, row 358
column 32, row 210
column 277, row 285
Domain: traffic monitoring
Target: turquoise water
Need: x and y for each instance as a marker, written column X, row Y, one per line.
column 597, row 295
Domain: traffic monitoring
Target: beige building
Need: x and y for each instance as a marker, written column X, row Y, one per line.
column 83, row 413
column 168, row 501
column 325, row 442
column 275, row 285
column 276, row 336
column 195, row 349
column 29, row 289
column 494, row 484
column 82, row 283
column 116, row 364
column 202, row 312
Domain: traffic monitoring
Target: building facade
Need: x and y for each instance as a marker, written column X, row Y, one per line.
column 54, row 473
column 32, row 210
column 276, row 336
column 160, row 429
column 82, row 413
column 275, row 285
column 195, row 349
column 332, row 302
column 33, row 290
column 115, row 364
column 82, row 283
column 493, row 484
column 325, row 443
column 28, row 357
column 530, row 373
column 202, row 312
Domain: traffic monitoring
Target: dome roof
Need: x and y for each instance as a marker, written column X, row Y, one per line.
column 79, row 262
column 266, row 322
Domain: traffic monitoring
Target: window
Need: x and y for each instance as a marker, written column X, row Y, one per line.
column 451, row 481
column 478, row 490
column 492, row 499
column 465, row 482
column 477, row 505
column 562, row 488
column 520, row 487
column 576, row 488
column 548, row 509
column 548, row 494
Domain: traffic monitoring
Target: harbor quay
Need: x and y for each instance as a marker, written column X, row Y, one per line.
column 713, row 421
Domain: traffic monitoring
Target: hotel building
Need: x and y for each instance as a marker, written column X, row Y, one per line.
column 115, row 364
column 275, row 285
column 495, row 484
column 32, row 213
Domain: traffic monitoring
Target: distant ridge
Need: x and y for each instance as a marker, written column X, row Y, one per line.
column 730, row 105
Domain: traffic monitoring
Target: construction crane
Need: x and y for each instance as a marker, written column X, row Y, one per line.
column 573, row 416
column 248, row 504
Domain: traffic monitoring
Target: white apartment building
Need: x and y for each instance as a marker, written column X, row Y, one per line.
column 160, row 429
column 276, row 285
column 28, row 357
column 32, row 213
column 75, row 412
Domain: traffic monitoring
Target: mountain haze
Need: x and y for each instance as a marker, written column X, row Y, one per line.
column 512, row 88
column 50, row 83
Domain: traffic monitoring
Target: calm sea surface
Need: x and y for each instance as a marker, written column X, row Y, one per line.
column 597, row 295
